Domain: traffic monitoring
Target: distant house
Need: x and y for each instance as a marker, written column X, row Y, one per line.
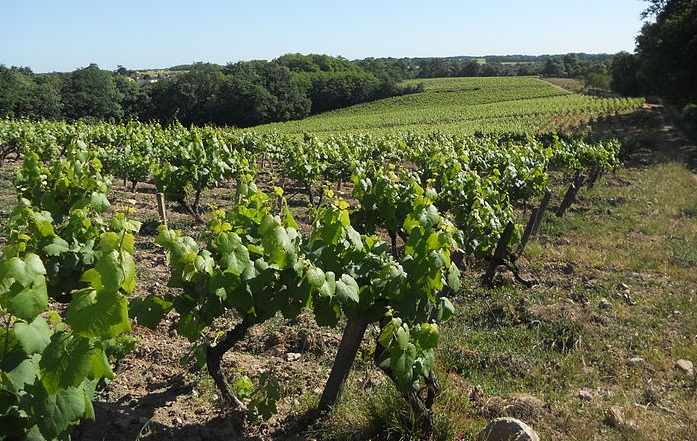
column 149, row 79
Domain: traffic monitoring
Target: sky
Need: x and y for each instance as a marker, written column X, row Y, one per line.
column 54, row 35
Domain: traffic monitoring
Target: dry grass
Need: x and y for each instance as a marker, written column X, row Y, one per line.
column 618, row 284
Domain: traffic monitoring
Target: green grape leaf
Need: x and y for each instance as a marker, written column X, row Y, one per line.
column 8, row 399
column 204, row 263
column 326, row 312
column 277, row 244
column 110, row 241
column 23, row 286
column 99, row 202
column 402, row 334
column 25, row 372
column 454, row 277
column 128, row 265
column 446, row 310
column 347, row 291
column 402, row 364
column 59, row 411
column 102, row 314
column 191, row 326
column 149, row 311
column 288, row 218
column 315, row 277
column 427, row 336
column 99, row 366
column 234, row 255
column 44, row 223
column 23, row 271
column 32, row 337
column 65, row 362
column 243, row 387
column 388, row 331
column 328, row 288
column 56, row 247
column 108, row 273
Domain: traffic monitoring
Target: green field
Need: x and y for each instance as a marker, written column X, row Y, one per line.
column 463, row 106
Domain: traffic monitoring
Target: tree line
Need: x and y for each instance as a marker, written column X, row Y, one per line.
column 242, row 94
column 250, row 93
column 664, row 61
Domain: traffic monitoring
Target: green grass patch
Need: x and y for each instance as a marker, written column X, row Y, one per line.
column 615, row 309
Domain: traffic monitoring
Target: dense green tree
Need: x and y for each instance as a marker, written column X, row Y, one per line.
column 572, row 65
column 162, row 99
column 625, row 75
column 554, row 67
column 471, row 68
column 190, row 97
column 91, row 93
column 242, row 103
column 389, row 70
column 436, row 68
column 597, row 80
column 124, row 72
column 293, row 102
column 48, row 95
column 667, row 49
column 528, row 69
column 316, row 63
column 17, row 92
column 298, row 63
column 247, row 70
column 335, row 82
column 334, row 90
column 134, row 99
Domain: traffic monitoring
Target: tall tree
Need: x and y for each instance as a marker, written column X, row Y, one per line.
column 16, row 92
column 293, row 102
column 48, row 95
column 667, row 49
column 625, row 74
column 189, row 97
column 554, row 67
column 91, row 93
column 134, row 100
column 242, row 103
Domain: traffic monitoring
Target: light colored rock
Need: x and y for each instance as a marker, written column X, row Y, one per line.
column 507, row 429
column 623, row 286
column 636, row 361
column 685, row 366
column 615, row 418
column 585, row 395
column 292, row 356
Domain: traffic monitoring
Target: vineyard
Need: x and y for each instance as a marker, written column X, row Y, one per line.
column 367, row 236
column 464, row 106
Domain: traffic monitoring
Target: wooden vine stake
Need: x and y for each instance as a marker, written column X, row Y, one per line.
column 161, row 208
column 571, row 194
column 533, row 224
column 499, row 254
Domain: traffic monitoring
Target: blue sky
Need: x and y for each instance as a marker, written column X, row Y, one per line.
column 53, row 35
